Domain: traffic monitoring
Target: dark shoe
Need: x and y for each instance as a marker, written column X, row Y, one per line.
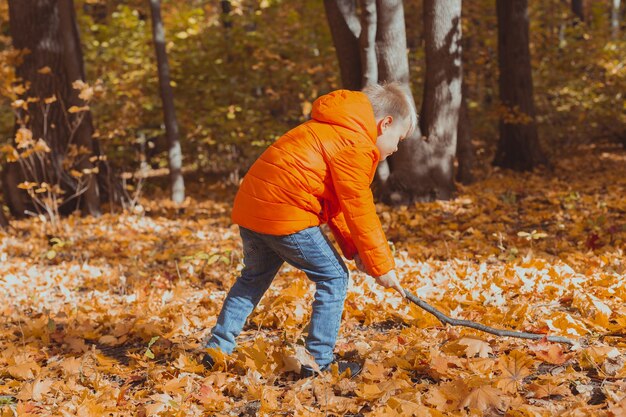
column 342, row 366
column 207, row 361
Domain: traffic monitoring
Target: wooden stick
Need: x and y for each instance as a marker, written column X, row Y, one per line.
column 468, row 323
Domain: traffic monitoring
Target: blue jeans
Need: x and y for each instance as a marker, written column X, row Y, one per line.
column 308, row 250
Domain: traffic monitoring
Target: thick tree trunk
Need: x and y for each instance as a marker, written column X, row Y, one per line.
column 393, row 65
column 393, row 62
column 367, row 42
column 518, row 147
column 226, row 9
column 423, row 167
column 4, row 223
column 345, row 29
column 442, row 98
column 167, row 97
column 578, row 8
column 75, row 70
column 420, row 170
column 464, row 148
column 48, row 29
column 615, row 19
column 15, row 198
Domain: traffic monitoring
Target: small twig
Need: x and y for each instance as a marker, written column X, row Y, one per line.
column 468, row 323
column 177, row 270
column 613, row 334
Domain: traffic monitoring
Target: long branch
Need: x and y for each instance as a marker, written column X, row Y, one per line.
column 468, row 323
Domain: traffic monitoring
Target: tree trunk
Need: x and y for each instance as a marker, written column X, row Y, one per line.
column 615, row 19
column 442, row 98
column 420, row 170
column 423, row 167
column 167, row 96
column 393, row 62
column 345, row 29
column 4, row 223
column 393, row 65
column 367, row 42
column 15, row 198
column 48, row 29
column 227, row 21
column 518, row 147
column 75, row 70
column 464, row 148
column 578, row 8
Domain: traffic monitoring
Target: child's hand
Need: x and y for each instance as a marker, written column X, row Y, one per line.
column 390, row 280
column 359, row 264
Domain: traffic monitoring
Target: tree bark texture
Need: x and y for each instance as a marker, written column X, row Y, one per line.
column 518, row 147
column 464, row 147
column 420, row 170
column 367, row 42
column 47, row 28
column 167, row 97
column 423, row 167
column 578, row 8
column 4, row 223
column 391, row 49
column 615, row 4
column 345, row 29
column 226, row 9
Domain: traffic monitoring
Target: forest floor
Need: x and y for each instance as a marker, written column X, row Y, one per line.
column 107, row 317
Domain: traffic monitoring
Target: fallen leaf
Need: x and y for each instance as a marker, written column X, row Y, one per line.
column 553, row 354
column 475, row 347
column 514, row 368
column 483, row 398
column 547, row 387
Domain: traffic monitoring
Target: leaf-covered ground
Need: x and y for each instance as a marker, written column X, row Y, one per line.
column 107, row 318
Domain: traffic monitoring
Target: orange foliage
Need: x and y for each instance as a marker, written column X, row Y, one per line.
column 112, row 319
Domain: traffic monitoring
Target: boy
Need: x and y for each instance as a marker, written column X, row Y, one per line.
column 319, row 172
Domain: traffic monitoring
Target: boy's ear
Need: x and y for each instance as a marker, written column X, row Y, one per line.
column 383, row 124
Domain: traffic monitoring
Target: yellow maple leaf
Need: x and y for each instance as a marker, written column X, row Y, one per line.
column 475, row 346
column 36, row 390
column 547, row 387
column 484, row 398
column 553, row 354
column 210, row 398
column 24, row 370
column 71, row 366
column 187, row 364
column 161, row 403
column 447, row 395
column 369, row 391
column 41, row 388
column 514, row 368
column 374, row 371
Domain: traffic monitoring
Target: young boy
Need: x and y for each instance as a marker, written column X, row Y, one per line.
column 319, row 172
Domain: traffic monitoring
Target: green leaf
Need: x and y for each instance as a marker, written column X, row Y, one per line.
column 7, row 400
column 154, row 339
column 214, row 258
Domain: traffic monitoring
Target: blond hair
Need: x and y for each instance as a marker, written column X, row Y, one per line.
column 392, row 99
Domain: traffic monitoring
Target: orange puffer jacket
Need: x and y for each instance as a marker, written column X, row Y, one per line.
column 321, row 172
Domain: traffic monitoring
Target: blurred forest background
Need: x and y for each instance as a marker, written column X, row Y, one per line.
column 244, row 72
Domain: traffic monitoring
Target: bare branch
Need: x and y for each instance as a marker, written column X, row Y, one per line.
column 468, row 323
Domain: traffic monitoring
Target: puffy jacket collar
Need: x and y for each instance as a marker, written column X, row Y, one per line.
column 349, row 109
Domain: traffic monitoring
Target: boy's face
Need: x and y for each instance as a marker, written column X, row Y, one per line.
column 390, row 132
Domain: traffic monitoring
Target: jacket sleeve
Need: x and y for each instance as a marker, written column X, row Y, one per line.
column 351, row 170
column 341, row 232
